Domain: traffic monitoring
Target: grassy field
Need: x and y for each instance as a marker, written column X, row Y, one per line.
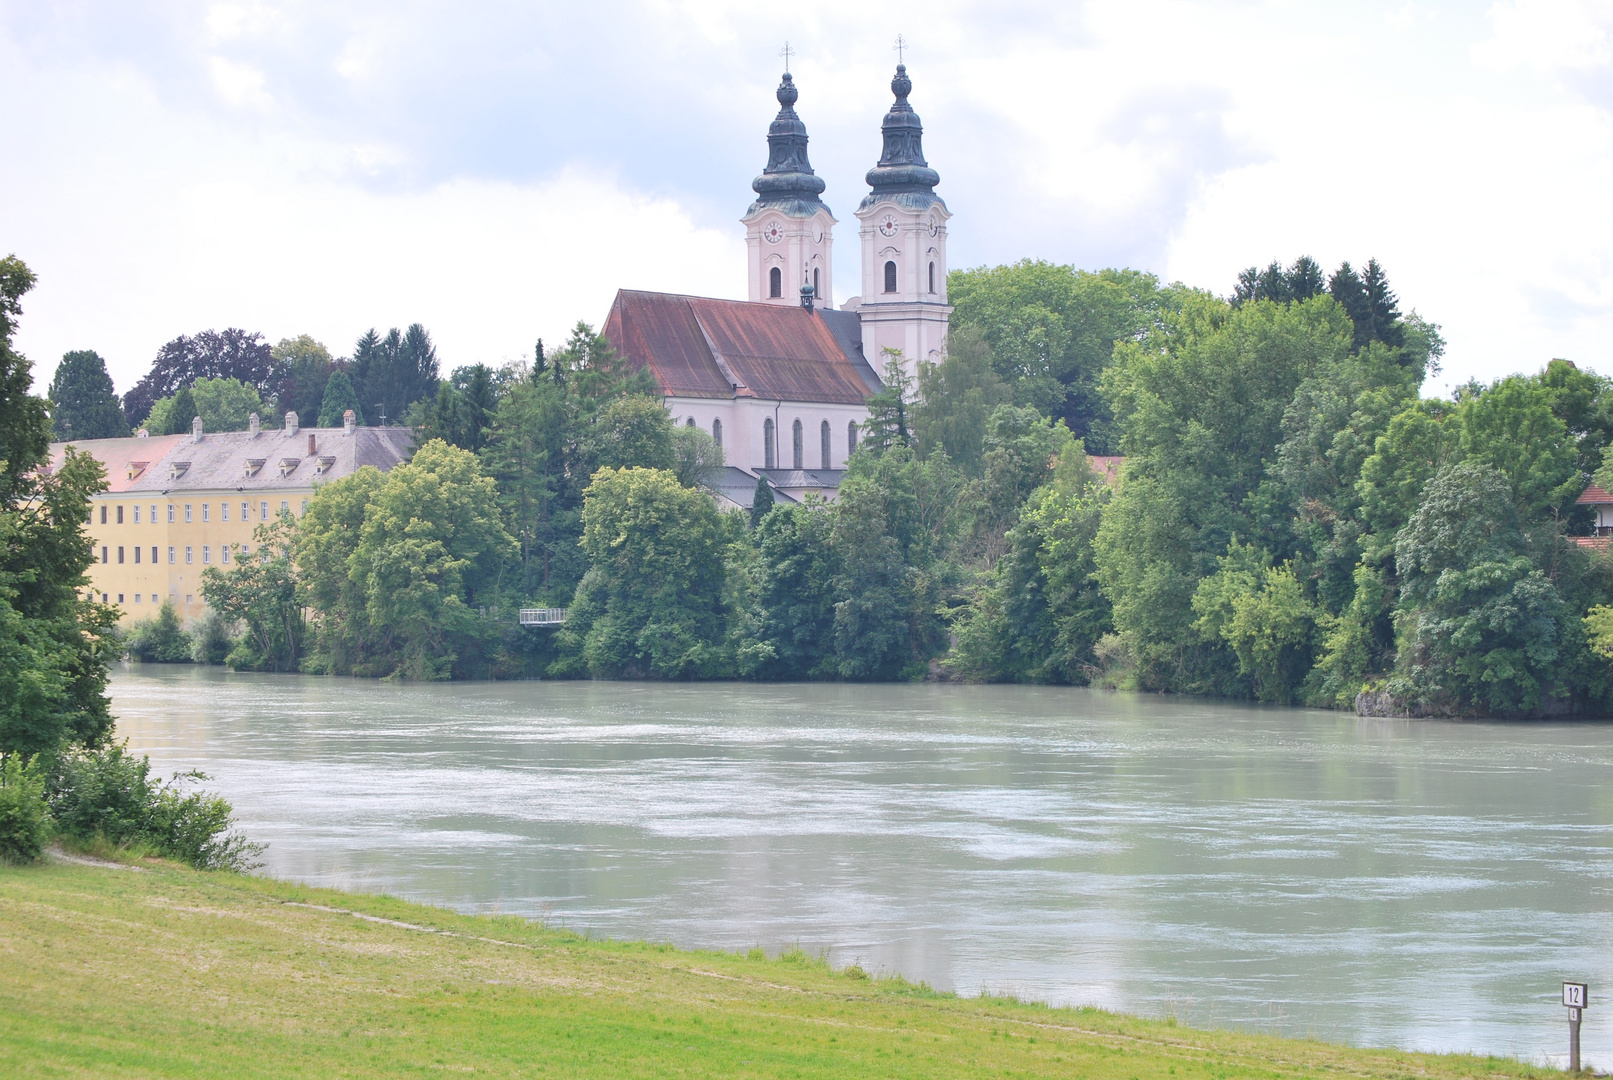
column 170, row 972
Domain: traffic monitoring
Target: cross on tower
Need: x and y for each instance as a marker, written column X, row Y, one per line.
column 786, row 52
column 900, row 46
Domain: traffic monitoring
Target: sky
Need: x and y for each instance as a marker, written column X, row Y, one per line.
column 497, row 170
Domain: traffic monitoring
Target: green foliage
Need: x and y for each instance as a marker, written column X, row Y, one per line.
column 1599, row 630
column 1260, row 611
column 54, row 643
column 223, row 405
column 172, row 415
column 160, row 639
column 799, row 566
column 83, row 405
column 651, row 603
column 631, row 432
column 1052, row 330
column 956, row 398
column 462, row 410
column 394, row 372
column 338, row 397
column 110, row 794
column 761, row 502
column 24, row 815
column 260, row 594
column 212, row 638
column 886, row 425
column 300, row 372
column 696, row 458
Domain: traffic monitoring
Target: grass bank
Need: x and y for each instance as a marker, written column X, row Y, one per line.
column 173, row 972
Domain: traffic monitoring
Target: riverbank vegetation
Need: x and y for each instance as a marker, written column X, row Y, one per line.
column 1292, row 521
column 112, row 970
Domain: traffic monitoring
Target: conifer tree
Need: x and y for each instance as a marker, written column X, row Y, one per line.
column 339, row 397
column 83, row 405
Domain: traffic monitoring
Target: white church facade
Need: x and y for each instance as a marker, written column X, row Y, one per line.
column 782, row 380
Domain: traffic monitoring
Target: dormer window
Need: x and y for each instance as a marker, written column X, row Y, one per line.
column 251, row 466
column 326, row 464
column 775, row 282
column 288, row 465
column 890, row 277
column 176, row 469
column 136, row 468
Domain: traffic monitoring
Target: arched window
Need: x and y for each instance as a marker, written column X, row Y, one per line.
column 817, row 290
column 890, row 277
column 851, row 438
column 932, row 277
column 716, row 432
column 767, row 444
column 775, row 282
column 798, row 455
column 690, row 423
column 823, row 434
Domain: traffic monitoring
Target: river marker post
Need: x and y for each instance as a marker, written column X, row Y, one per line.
column 1576, row 998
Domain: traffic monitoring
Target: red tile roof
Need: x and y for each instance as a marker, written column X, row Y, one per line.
column 1595, row 496
column 700, row 347
column 1107, row 466
column 1598, row 542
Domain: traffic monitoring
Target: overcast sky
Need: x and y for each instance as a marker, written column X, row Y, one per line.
column 497, row 170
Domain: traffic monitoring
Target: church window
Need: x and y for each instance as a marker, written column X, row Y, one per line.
column 817, row 290
column 775, row 282
column 932, row 277
column 890, row 277
column 767, row 444
column 690, row 422
column 798, row 455
column 716, row 432
column 851, row 438
column 823, row 437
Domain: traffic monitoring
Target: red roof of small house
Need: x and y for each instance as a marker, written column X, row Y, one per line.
column 1599, row 543
column 1107, row 466
column 700, row 347
column 1595, row 496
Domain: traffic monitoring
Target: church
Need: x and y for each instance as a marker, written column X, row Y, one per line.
column 782, row 380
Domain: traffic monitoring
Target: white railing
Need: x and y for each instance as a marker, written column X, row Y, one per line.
column 542, row 616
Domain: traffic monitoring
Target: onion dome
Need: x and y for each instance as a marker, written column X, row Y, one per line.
column 902, row 174
column 788, row 183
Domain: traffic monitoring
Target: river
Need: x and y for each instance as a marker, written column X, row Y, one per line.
column 1411, row 883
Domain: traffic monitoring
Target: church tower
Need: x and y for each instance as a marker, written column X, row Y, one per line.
column 788, row 228
column 904, row 245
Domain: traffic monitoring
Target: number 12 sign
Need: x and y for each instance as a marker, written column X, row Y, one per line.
column 1576, row 995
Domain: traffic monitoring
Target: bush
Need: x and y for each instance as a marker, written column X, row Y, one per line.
column 24, row 818
column 160, row 640
column 109, row 794
column 212, row 638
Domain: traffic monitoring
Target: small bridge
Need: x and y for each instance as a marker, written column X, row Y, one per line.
column 542, row 616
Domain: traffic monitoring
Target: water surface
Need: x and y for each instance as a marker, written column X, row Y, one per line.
column 1411, row 883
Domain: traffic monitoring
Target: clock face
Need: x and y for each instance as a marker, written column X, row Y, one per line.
column 887, row 225
column 934, row 227
column 773, row 233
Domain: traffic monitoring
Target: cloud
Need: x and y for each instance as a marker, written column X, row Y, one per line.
column 497, row 170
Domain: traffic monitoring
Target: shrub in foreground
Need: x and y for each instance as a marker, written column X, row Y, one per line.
column 110, row 794
column 24, row 818
column 160, row 640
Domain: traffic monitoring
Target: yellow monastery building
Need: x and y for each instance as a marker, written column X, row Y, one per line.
column 177, row 504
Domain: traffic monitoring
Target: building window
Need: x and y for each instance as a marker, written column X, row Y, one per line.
column 263, row 510
column 153, row 554
column 285, row 506
column 137, row 553
column 890, row 277
column 187, row 513
column 103, row 554
column 207, row 554
column 103, row 598
column 716, row 432
column 170, row 556
column 932, row 277
column 170, row 513
column 154, row 515
column 224, row 553
column 767, row 443
column 120, row 557
column 224, row 511
column 775, row 282
column 689, row 422
column 246, row 511
column 187, row 560
column 120, row 515
column 120, row 598
column 205, row 508
column 304, row 509
column 823, row 437
column 851, row 438
column 103, row 518
column 187, row 598
column 797, row 451
column 815, row 291
column 137, row 520
column 137, row 597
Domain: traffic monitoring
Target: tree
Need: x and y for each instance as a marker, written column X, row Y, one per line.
column 394, row 371
column 83, row 405
column 697, row 459
column 231, row 354
column 260, row 593
column 956, row 397
column 302, row 368
column 886, row 425
column 631, row 432
column 651, row 603
column 1052, row 330
column 55, row 643
column 332, row 584
column 526, row 454
column 338, row 397
column 1301, row 281
column 463, row 408
column 761, row 502
column 160, row 640
column 797, row 590
column 1261, row 611
column 172, row 415
column 223, row 405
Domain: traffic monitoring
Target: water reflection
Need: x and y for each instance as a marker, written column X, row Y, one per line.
column 1411, row 883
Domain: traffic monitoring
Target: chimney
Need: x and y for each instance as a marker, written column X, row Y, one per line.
column 291, row 424
column 252, row 425
column 310, row 444
column 196, row 429
column 349, row 421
